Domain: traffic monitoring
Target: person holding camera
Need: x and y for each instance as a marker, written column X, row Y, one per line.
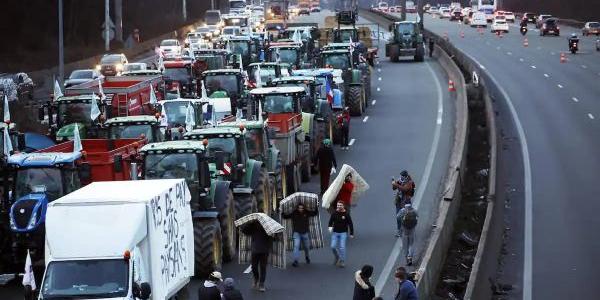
column 405, row 190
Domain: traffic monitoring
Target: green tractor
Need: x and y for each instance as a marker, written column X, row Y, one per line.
column 406, row 40
column 355, row 77
column 243, row 47
column 230, row 161
column 134, row 127
column 213, row 210
column 230, row 81
column 72, row 112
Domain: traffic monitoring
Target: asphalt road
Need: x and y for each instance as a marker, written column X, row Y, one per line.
column 553, row 246
column 408, row 125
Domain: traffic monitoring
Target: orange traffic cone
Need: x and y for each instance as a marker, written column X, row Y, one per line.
column 525, row 43
column 563, row 58
column 451, row 87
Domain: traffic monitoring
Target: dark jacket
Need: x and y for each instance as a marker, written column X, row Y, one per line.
column 363, row 289
column 231, row 293
column 261, row 241
column 407, row 291
column 325, row 158
column 341, row 222
column 209, row 292
column 300, row 220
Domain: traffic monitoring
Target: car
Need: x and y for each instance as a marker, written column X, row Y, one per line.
column 16, row 86
column 510, row 16
column 550, row 26
column 445, row 13
column 530, row 17
column 111, row 64
column 467, row 17
column 540, row 20
column 81, row 76
column 456, row 15
column 170, row 46
column 591, row 28
column 433, row 10
column 315, row 8
column 478, row 19
column 499, row 26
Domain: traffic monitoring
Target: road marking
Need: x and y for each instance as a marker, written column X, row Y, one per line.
column 552, row 53
column 521, row 60
column 584, row 66
column 351, row 142
column 559, row 86
column 379, row 70
column 482, row 67
column 379, row 78
column 366, row 119
column 528, row 230
column 533, row 67
column 377, row 62
column 391, row 261
column 575, row 99
column 378, row 89
column 591, row 116
column 498, row 48
column 546, row 75
column 509, row 53
column 248, row 269
column 373, row 102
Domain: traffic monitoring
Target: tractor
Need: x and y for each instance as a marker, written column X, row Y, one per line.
column 135, row 127
column 230, row 81
column 174, row 116
column 213, row 210
column 242, row 46
column 72, row 112
column 406, row 40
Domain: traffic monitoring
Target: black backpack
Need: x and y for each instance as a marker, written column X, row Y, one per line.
column 409, row 220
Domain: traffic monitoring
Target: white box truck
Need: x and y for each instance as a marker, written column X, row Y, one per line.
column 120, row 240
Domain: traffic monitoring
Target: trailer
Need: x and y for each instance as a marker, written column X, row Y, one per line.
column 103, row 241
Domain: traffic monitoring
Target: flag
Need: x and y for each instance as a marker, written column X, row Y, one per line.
column 260, row 111
column 6, row 110
column 328, row 92
column 77, row 147
column 153, row 99
column 277, row 56
column 203, row 91
column 7, row 143
column 258, row 78
column 351, row 46
column 94, row 109
column 28, row 278
column 178, row 93
column 190, row 121
column 161, row 64
column 57, row 91
column 296, row 37
column 241, row 63
column 101, row 90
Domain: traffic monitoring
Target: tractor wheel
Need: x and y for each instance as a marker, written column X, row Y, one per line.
column 245, row 205
column 355, row 96
column 279, row 179
column 207, row 246
column 367, row 85
column 420, row 56
column 394, row 53
column 262, row 193
column 227, row 216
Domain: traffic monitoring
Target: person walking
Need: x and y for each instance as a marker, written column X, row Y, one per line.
column 261, row 246
column 229, row 290
column 327, row 164
column 343, row 122
column 300, row 229
column 209, row 289
column 363, row 289
column 406, row 289
column 340, row 224
column 345, row 194
column 405, row 190
column 408, row 219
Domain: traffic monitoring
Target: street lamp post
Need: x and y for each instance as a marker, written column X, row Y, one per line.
column 107, row 25
column 183, row 4
column 61, row 50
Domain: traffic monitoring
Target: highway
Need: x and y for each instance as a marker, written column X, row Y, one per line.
column 552, row 184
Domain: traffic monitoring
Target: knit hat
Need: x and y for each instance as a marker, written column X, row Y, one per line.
column 229, row 282
column 366, row 271
column 327, row 142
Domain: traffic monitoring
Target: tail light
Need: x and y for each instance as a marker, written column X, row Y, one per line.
column 557, row 28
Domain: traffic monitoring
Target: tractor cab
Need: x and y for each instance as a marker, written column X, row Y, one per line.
column 345, row 34
column 242, row 46
column 406, row 40
column 308, row 83
column 290, row 53
column 268, row 72
column 230, row 81
column 336, row 59
column 135, row 127
column 72, row 112
column 281, row 106
column 176, row 115
column 178, row 77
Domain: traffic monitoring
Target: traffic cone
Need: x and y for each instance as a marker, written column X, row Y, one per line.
column 525, row 43
column 451, row 87
column 563, row 58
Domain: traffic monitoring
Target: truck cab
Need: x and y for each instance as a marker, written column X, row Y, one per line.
column 133, row 127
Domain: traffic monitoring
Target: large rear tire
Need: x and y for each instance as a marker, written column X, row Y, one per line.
column 207, row 246
column 394, row 53
column 420, row 55
column 355, row 97
column 227, row 217
column 245, row 204
column 262, row 193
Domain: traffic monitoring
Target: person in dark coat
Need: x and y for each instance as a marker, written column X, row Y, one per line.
column 209, row 289
column 325, row 160
column 300, row 229
column 261, row 246
column 340, row 224
column 406, row 288
column 229, row 290
column 363, row 289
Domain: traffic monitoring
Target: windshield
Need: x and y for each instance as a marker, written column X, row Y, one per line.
column 105, row 278
column 254, row 142
column 266, row 73
column 171, row 166
column 175, row 112
column 337, row 60
column 594, row 25
column 133, row 67
column 169, row 43
column 239, row 47
column 288, row 56
column 231, row 31
column 81, row 74
column 177, row 74
column 237, row 4
column 74, row 112
column 346, row 35
column 279, row 104
column 39, row 180
column 222, row 144
column 222, row 82
column 212, row 17
column 213, row 62
column 131, row 131
column 110, row 59
column 405, row 28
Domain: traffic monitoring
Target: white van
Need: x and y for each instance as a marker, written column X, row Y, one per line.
column 478, row 19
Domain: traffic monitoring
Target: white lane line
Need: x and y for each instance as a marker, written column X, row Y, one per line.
column 498, row 48
column 559, row 86
column 351, row 142
column 366, row 119
column 508, row 53
column 248, row 269
column 379, row 70
column 379, row 78
column 391, row 261
column 552, row 53
column 378, row 89
column 533, row 67
column 481, row 66
column 521, row 60
column 584, row 66
column 591, row 116
column 546, row 75
column 373, row 102
column 575, row 99
column 528, row 229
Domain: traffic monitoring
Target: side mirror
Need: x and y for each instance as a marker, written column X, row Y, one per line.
column 220, row 160
column 41, row 113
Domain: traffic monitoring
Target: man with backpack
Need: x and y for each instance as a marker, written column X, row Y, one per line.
column 405, row 188
column 407, row 217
